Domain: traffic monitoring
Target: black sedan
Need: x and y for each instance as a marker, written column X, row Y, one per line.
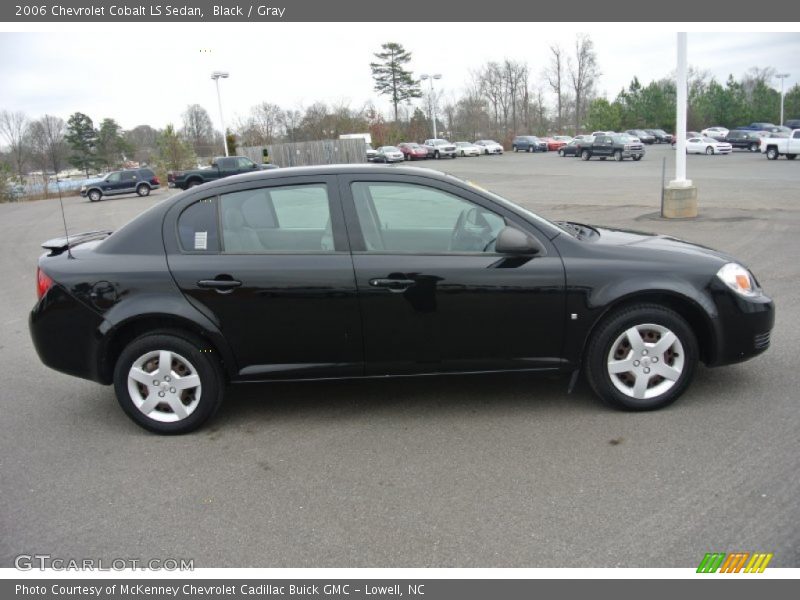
column 573, row 148
column 357, row 271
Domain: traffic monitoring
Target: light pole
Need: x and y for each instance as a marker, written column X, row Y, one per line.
column 216, row 76
column 423, row 77
column 782, row 76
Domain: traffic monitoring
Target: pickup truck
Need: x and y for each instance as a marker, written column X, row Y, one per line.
column 774, row 147
column 221, row 166
column 618, row 146
column 438, row 147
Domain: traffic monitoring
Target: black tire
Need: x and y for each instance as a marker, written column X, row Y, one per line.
column 585, row 155
column 753, row 147
column 561, row 153
column 605, row 338
column 436, row 155
column 531, row 149
column 514, row 148
column 791, row 156
column 709, row 150
column 772, row 153
column 94, row 195
column 193, row 183
column 618, row 155
column 637, row 158
column 143, row 189
column 181, row 346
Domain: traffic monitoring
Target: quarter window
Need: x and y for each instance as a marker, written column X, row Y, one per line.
column 408, row 218
column 278, row 219
column 197, row 227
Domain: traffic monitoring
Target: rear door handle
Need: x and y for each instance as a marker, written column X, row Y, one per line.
column 393, row 285
column 223, row 286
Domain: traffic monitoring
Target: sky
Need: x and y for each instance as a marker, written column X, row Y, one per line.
column 148, row 74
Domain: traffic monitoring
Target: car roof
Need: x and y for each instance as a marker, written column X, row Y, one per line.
column 340, row 169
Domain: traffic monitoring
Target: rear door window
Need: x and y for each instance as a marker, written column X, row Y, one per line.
column 197, row 227
column 294, row 218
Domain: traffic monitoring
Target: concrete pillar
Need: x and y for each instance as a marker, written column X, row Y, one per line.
column 680, row 196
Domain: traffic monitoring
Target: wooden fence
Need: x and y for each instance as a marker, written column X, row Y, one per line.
column 321, row 152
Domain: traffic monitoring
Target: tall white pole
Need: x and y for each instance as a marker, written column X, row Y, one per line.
column 680, row 127
column 433, row 110
column 221, row 119
column 782, row 76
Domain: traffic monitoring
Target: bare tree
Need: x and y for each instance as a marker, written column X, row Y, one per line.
column 143, row 141
column 556, row 79
column 515, row 75
column 14, row 129
column 262, row 125
column 583, row 75
column 198, row 130
column 48, row 148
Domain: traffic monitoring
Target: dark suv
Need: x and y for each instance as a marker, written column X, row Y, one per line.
column 528, row 143
column 128, row 181
column 745, row 140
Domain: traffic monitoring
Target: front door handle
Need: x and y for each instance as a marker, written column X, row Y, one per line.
column 393, row 285
column 222, row 286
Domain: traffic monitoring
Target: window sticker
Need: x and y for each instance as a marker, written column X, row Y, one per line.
column 200, row 240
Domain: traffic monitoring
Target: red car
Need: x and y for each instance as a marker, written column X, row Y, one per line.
column 412, row 151
column 554, row 144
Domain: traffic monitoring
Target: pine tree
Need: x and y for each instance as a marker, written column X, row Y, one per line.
column 82, row 139
column 391, row 79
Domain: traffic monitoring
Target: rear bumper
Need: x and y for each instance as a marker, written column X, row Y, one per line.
column 66, row 334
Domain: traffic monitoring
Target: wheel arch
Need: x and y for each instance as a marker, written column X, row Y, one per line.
column 698, row 318
column 121, row 334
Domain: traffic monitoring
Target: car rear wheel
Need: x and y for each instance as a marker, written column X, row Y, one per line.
column 143, row 189
column 94, row 195
column 193, row 183
column 168, row 383
column 618, row 156
column 709, row 150
column 753, row 147
column 585, row 155
column 514, row 148
column 791, row 156
column 641, row 358
column 561, row 153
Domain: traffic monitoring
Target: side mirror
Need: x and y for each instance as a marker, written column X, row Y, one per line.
column 513, row 241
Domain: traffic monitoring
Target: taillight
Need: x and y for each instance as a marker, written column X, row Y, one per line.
column 155, row 181
column 43, row 283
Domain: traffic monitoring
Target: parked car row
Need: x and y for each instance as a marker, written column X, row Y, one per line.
column 432, row 148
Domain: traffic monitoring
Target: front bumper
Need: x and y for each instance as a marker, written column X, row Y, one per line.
column 742, row 326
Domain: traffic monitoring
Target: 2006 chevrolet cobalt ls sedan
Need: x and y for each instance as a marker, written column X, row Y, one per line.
column 361, row 271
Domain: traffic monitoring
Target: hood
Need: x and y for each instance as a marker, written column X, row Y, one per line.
column 657, row 243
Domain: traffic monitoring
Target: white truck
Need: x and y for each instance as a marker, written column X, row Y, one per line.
column 774, row 147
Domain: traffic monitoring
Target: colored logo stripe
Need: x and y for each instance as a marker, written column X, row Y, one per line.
column 758, row 563
column 711, row 562
column 734, row 563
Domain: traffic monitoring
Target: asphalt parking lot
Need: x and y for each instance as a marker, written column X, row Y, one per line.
column 490, row 471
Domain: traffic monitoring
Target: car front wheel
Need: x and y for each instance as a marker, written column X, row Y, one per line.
column 709, row 150
column 95, row 195
column 561, row 153
column 772, row 154
column 585, row 155
column 641, row 358
column 168, row 383
column 618, row 156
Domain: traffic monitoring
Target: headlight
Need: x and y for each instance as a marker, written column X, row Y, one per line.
column 738, row 279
